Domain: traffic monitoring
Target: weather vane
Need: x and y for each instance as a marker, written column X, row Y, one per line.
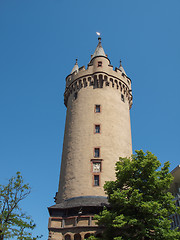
column 98, row 33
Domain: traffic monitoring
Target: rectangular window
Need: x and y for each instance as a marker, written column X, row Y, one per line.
column 97, row 128
column 97, row 108
column 96, row 152
column 96, row 180
column 99, row 64
column 96, row 167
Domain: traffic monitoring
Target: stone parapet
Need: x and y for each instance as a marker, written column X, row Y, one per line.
column 98, row 77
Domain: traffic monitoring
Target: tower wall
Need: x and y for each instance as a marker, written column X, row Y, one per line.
column 112, row 91
column 97, row 133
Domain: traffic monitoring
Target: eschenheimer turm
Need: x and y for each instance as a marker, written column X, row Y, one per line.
column 97, row 132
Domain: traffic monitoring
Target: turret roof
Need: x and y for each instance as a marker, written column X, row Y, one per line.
column 75, row 68
column 99, row 50
column 121, row 68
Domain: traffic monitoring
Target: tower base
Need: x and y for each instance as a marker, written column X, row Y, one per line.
column 73, row 219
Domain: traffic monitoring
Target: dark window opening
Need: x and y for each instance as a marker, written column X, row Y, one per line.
column 87, row 235
column 96, row 180
column 77, row 236
column 67, row 237
column 96, row 152
column 97, row 128
column 99, row 64
column 97, row 108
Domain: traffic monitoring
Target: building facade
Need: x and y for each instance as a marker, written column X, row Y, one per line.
column 97, row 132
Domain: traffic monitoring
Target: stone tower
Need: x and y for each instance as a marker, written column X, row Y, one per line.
column 97, row 133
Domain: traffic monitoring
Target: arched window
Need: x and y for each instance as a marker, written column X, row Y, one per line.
column 85, row 82
column 67, row 237
column 100, row 76
column 87, row 235
column 100, row 85
column 77, row 236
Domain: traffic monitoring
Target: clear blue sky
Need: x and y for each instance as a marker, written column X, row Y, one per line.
column 39, row 41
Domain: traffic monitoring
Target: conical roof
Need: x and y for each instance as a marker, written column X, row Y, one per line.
column 99, row 50
column 121, row 68
column 75, row 68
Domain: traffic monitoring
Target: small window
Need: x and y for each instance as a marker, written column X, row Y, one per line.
column 67, row 237
column 96, row 180
column 99, row 64
column 96, row 167
column 97, row 108
column 97, row 128
column 96, row 152
column 75, row 95
column 77, row 236
column 122, row 98
column 87, row 235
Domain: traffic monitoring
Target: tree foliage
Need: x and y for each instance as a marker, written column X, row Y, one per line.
column 13, row 222
column 139, row 202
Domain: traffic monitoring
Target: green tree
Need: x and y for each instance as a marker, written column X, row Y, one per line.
column 13, row 222
column 139, row 202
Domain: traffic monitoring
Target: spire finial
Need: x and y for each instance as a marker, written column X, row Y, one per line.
column 121, row 68
column 76, row 61
column 99, row 36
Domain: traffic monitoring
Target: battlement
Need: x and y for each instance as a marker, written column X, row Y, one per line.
column 99, row 64
column 99, row 74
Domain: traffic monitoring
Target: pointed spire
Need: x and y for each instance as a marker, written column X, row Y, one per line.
column 121, row 68
column 75, row 68
column 99, row 50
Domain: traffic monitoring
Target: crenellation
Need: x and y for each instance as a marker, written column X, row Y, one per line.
column 82, row 68
column 92, row 69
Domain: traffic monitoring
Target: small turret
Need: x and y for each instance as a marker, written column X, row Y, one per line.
column 99, row 50
column 121, row 68
column 75, row 68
